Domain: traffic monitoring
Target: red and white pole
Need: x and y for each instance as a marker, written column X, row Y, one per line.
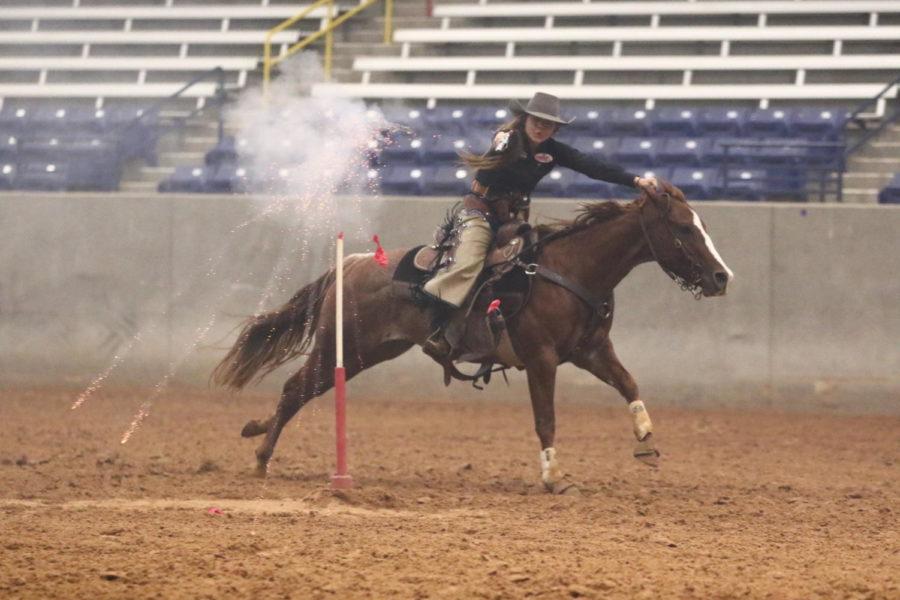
column 341, row 479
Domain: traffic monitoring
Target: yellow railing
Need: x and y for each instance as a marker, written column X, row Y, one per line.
column 269, row 61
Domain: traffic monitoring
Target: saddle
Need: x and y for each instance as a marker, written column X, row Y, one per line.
column 477, row 334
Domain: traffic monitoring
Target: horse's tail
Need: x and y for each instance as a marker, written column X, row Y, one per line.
column 269, row 340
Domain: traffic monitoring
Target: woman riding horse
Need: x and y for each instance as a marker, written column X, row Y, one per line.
column 522, row 153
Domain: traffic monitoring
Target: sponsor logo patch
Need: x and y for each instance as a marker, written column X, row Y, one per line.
column 543, row 157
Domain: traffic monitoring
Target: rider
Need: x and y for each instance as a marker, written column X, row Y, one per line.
column 523, row 151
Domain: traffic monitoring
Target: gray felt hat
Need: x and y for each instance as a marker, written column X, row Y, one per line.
column 541, row 105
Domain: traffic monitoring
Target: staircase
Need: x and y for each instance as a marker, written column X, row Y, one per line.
column 872, row 166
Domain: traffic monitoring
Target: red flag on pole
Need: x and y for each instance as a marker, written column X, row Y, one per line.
column 380, row 255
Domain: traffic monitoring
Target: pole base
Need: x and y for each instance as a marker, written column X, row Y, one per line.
column 341, row 482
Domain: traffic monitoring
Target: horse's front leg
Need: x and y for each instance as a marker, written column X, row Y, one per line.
column 541, row 385
column 602, row 362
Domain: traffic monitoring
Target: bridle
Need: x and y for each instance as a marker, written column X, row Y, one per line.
column 692, row 285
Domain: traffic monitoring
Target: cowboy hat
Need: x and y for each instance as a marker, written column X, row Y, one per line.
column 541, row 105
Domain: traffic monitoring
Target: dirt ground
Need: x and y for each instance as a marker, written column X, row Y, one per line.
column 447, row 503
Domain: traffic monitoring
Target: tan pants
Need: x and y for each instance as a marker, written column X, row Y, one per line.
column 453, row 284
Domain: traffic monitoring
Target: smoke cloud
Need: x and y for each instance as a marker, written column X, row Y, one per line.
column 309, row 156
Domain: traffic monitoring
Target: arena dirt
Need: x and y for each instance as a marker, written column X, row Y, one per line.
column 448, row 504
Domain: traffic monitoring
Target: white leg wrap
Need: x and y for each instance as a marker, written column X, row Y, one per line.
column 642, row 425
column 550, row 472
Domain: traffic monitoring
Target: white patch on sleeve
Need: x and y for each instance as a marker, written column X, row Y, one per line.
column 709, row 244
column 501, row 141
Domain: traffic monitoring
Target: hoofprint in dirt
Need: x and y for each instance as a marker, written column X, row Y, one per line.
column 447, row 504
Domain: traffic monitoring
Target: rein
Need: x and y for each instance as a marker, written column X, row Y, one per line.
column 693, row 286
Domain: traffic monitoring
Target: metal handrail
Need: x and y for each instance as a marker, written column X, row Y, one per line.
column 332, row 24
column 220, row 97
column 830, row 173
column 854, row 117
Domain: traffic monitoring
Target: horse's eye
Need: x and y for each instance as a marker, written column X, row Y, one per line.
column 686, row 229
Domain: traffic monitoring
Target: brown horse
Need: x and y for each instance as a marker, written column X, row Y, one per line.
column 595, row 251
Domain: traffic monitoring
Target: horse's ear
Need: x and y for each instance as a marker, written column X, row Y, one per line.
column 672, row 190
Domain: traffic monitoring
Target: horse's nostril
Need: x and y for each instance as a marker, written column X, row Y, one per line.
column 721, row 278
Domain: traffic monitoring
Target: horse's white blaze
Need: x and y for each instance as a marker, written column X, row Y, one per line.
column 709, row 244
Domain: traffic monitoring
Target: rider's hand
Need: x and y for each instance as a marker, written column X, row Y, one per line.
column 648, row 184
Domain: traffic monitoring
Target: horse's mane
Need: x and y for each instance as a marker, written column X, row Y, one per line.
column 589, row 214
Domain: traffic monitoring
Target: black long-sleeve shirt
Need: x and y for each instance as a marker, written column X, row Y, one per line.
column 523, row 175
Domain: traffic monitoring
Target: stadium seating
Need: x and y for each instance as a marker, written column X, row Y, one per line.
column 140, row 50
column 891, row 192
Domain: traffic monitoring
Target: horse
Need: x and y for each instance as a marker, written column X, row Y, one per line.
column 596, row 250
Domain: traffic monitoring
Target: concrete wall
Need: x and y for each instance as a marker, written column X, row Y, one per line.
column 156, row 285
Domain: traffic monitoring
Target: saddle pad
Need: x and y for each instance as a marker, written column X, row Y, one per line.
column 407, row 272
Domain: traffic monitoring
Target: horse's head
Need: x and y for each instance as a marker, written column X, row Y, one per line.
column 680, row 244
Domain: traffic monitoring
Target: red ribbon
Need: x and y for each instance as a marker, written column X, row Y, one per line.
column 380, row 255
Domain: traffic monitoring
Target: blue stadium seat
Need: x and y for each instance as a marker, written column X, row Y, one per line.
column 186, row 179
column 62, row 119
column 674, row 120
column 582, row 186
column 682, row 152
column 603, row 148
column 9, row 146
column 713, row 152
column 816, row 123
column 403, row 180
column 588, row 122
column 640, row 151
column 402, row 149
column 41, row 175
column 7, row 176
column 490, row 117
column 225, row 151
column 450, row 181
column 698, row 184
column 628, row 122
column 412, row 117
column 891, row 192
column 453, row 120
column 94, row 164
column 555, row 184
column 745, row 184
column 721, row 120
column 228, row 178
column 786, row 154
column 445, row 147
column 15, row 119
column 767, row 122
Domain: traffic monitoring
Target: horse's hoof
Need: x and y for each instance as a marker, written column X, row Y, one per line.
column 563, row 487
column 646, row 452
column 253, row 428
column 260, row 471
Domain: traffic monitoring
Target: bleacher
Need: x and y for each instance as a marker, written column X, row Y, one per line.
column 699, row 150
column 140, row 49
column 82, row 82
column 715, row 95
column 649, row 51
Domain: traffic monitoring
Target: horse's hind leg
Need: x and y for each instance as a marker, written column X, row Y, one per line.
column 602, row 362
column 313, row 379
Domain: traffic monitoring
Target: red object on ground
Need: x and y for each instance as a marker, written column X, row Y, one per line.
column 215, row 511
column 495, row 305
column 380, row 256
column 341, row 480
